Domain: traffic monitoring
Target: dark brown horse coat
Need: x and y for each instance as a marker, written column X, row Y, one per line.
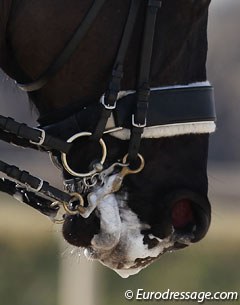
column 38, row 30
column 31, row 35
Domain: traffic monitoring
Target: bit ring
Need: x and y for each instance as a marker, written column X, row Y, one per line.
column 90, row 173
column 80, row 207
column 139, row 169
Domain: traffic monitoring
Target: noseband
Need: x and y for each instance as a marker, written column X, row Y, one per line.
column 183, row 108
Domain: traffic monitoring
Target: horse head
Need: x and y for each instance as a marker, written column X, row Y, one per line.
column 164, row 205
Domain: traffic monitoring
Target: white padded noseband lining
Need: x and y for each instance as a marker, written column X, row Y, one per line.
column 170, row 130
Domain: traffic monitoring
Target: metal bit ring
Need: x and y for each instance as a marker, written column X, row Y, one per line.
column 64, row 155
column 139, row 169
column 80, row 207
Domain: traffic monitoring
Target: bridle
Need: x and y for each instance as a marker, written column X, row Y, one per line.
column 137, row 111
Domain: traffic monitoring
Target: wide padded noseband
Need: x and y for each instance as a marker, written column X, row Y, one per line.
column 188, row 104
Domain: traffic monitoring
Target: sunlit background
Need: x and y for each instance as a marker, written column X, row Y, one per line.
column 36, row 267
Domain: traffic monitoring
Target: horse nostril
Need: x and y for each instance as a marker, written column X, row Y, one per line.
column 182, row 214
column 191, row 218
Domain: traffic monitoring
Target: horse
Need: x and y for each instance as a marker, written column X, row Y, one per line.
column 161, row 203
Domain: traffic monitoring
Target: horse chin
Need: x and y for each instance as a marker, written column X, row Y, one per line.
column 122, row 263
column 121, row 243
column 123, row 270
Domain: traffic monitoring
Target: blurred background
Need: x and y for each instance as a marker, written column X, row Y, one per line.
column 36, row 267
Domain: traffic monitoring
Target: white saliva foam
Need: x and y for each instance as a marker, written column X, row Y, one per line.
column 120, row 241
column 132, row 238
column 110, row 222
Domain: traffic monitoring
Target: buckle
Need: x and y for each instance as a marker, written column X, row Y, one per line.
column 107, row 106
column 41, row 137
column 38, row 188
column 138, row 125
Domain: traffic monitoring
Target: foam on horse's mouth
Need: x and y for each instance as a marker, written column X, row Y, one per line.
column 120, row 243
column 125, row 273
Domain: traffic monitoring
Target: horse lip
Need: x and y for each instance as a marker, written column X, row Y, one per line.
column 184, row 239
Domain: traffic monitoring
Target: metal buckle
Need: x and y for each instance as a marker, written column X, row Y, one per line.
column 41, row 137
column 138, row 125
column 108, row 107
column 37, row 189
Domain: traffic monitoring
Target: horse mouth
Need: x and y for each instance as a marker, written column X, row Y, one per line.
column 120, row 258
column 125, row 268
column 120, row 266
column 121, row 242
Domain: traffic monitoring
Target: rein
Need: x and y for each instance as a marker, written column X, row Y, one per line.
column 135, row 112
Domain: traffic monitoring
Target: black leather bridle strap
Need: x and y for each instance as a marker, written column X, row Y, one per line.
column 67, row 51
column 32, row 199
column 12, row 139
column 25, row 136
column 170, row 106
column 37, row 185
column 110, row 98
column 143, row 92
